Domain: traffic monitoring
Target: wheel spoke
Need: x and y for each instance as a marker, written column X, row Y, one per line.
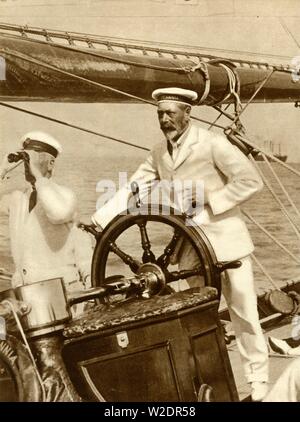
column 148, row 255
column 134, row 264
column 177, row 275
column 164, row 260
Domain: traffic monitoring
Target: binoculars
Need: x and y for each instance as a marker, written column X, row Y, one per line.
column 14, row 157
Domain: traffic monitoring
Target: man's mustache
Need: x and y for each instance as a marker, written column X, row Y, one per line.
column 167, row 126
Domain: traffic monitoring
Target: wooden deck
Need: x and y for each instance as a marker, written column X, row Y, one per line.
column 277, row 362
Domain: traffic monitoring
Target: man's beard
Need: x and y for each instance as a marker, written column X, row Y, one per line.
column 171, row 135
column 170, row 132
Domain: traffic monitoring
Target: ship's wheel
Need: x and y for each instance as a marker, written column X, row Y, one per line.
column 154, row 243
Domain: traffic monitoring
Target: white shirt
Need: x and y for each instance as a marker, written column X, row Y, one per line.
column 176, row 145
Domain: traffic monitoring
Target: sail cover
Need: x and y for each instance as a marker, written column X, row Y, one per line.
column 79, row 69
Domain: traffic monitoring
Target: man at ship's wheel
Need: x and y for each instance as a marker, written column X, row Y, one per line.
column 190, row 153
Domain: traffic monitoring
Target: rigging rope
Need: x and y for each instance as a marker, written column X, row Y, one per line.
column 292, row 203
column 277, row 199
column 219, row 109
column 238, row 111
column 261, row 85
column 256, row 147
column 277, row 242
column 61, row 122
column 264, row 271
column 285, row 27
column 221, row 113
column 233, row 83
column 202, row 67
column 234, row 91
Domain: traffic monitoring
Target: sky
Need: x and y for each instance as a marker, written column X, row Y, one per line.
column 262, row 27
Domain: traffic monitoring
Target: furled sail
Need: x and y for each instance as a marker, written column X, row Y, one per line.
column 40, row 65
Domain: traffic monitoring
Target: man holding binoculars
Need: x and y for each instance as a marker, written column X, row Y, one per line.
column 45, row 243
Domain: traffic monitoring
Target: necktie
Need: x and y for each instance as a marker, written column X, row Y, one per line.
column 31, row 179
column 32, row 199
column 170, row 148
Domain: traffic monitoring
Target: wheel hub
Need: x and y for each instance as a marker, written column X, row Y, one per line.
column 153, row 278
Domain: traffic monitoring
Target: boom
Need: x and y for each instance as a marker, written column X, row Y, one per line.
column 45, row 65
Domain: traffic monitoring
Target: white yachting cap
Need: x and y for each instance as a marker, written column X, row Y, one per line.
column 177, row 95
column 41, row 142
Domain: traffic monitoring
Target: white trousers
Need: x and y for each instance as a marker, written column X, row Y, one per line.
column 287, row 387
column 239, row 292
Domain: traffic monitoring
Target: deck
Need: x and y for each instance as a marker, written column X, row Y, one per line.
column 277, row 362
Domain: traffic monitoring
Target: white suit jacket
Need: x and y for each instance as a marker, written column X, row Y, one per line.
column 229, row 179
column 45, row 243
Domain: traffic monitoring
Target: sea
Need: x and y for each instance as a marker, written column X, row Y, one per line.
column 82, row 173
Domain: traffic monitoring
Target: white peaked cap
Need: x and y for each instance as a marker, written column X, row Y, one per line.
column 177, row 95
column 41, row 142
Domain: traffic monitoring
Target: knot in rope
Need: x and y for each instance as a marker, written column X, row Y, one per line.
column 203, row 68
column 234, row 87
